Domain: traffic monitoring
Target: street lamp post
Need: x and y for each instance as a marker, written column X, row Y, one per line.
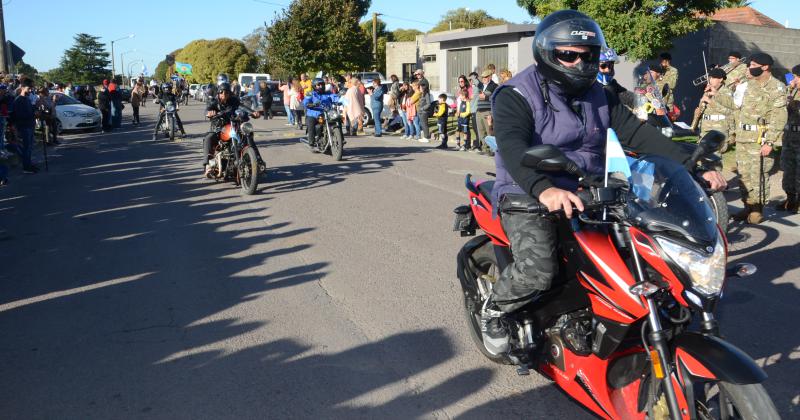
column 122, row 63
column 113, row 67
column 130, row 67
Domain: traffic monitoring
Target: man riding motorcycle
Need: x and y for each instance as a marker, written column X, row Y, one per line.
column 163, row 97
column 225, row 104
column 313, row 104
column 555, row 101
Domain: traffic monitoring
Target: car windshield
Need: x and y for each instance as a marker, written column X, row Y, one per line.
column 65, row 100
column 665, row 198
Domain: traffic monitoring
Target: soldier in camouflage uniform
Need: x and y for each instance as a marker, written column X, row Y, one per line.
column 790, row 153
column 737, row 73
column 668, row 77
column 761, row 119
column 717, row 117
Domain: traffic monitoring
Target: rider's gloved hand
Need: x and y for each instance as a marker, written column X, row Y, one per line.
column 556, row 199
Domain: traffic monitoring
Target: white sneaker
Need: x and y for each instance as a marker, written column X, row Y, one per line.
column 403, row 137
column 424, row 140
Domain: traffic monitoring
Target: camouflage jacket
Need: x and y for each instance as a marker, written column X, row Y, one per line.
column 711, row 119
column 670, row 77
column 793, row 107
column 761, row 100
column 738, row 73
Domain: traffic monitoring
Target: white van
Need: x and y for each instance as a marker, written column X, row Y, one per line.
column 251, row 79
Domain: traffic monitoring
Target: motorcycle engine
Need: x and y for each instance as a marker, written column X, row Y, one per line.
column 576, row 332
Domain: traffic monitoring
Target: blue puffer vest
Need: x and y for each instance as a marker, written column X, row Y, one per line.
column 582, row 140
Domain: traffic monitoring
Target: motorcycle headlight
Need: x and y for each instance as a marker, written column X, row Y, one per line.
column 247, row 128
column 170, row 108
column 333, row 114
column 69, row 114
column 707, row 272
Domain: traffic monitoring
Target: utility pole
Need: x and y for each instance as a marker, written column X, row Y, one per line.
column 375, row 40
column 4, row 65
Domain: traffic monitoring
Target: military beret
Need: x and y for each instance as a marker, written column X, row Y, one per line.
column 657, row 68
column 717, row 73
column 762, row 59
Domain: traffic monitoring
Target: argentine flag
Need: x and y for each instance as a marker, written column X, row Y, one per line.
column 616, row 161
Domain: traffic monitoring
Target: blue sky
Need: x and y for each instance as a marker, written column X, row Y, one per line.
column 160, row 27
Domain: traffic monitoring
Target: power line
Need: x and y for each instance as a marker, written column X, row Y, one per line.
column 271, row 3
column 409, row 20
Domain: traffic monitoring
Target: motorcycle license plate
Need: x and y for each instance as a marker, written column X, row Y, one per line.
column 465, row 223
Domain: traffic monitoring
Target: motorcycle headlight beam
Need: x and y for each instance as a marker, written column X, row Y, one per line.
column 707, row 271
column 247, row 128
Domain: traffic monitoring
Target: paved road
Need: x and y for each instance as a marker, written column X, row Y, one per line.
column 132, row 288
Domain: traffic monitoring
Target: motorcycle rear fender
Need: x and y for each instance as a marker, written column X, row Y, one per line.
column 464, row 265
column 706, row 355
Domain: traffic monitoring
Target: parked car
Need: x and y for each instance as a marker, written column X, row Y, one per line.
column 367, row 77
column 277, row 98
column 73, row 115
column 200, row 93
column 193, row 89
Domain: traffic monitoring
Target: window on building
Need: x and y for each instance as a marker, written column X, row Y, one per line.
column 429, row 58
column 408, row 71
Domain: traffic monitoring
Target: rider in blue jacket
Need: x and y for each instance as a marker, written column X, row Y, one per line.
column 314, row 107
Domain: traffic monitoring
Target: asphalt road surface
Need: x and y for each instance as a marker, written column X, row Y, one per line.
column 131, row 287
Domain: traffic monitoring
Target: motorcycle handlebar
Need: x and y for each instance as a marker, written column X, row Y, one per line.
column 592, row 198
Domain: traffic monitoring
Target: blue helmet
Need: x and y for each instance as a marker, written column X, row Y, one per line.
column 607, row 55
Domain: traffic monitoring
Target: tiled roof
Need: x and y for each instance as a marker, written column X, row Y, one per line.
column 746, row 15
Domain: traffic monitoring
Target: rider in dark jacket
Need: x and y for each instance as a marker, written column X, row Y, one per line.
column 165, row 96
column 225, row 106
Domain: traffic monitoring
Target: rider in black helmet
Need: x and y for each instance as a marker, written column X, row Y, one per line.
column 226, row 104
column 555, row 101
column 164, row 96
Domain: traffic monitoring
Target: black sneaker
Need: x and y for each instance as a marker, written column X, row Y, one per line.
column 495, row 334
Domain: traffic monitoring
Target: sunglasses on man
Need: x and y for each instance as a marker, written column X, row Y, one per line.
column 568, row 56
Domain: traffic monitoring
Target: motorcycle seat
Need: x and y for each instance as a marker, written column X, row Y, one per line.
column 485, row 189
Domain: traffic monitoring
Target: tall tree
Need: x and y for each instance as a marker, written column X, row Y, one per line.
column 315, row 35
column 405, row 35
column 638, row 28
column 86, row 62
column 256, row 44
column 464, row 18
column 736, row 3
column 209, row 58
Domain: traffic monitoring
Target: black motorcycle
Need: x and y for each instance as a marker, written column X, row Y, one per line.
column 169, row 121
column 233, row 158
column 330, row 138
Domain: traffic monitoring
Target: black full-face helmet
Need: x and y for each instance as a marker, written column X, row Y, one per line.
column 319, row 85
column 568, row 28
column 222, row 78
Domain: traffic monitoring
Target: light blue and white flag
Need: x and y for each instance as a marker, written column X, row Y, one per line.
column 616, row 161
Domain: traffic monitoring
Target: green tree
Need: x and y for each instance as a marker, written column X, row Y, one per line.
column 209, row 58
column 469, row 19
column 639, row 28
column 256, row 44
column 31, row 72
column 84, row 63
column 405, row 34
column 315, row 35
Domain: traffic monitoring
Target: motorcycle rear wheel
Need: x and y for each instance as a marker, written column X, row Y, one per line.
column 248, row 172
column 483, row 262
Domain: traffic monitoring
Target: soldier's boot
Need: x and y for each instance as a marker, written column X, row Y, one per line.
column 756, row 215
column 790, row 204
column 743, row 214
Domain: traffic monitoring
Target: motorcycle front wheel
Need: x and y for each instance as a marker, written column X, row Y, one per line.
column 482, row 268
column 337, row 143
column 248, row 171
column 172, row 129
column 720, row 206
column 727, row 401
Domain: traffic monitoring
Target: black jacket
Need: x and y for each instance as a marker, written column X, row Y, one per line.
column 104, row 101
column 227, row 109
column 486, row 105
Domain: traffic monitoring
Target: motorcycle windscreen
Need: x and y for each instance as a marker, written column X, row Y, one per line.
column 666, row 199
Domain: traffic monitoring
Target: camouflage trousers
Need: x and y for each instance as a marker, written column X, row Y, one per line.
column 790, row 163
column 533, row 244
column 751, row 170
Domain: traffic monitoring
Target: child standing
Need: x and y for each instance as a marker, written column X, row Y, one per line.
column 463, row 113
column 411, row 115
column 441, row 120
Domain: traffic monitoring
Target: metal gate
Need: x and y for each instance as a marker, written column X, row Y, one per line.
column 496, row 54
column 458, row 62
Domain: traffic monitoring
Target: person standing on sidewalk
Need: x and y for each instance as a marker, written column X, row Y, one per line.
column 23, row 119
column 376, row 105
column 441, row 120
column 475, row 87
column 104, row 105
column 265, row 94
column 136, row 101
column 484, row 109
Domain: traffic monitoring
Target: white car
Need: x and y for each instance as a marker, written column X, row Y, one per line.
column 73, row 115
column 193, row 89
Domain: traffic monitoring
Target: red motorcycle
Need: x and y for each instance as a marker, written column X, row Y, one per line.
column 628, row 328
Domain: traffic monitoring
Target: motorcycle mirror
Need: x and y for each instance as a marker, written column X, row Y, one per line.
column 707, row 145
column 548, row 158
